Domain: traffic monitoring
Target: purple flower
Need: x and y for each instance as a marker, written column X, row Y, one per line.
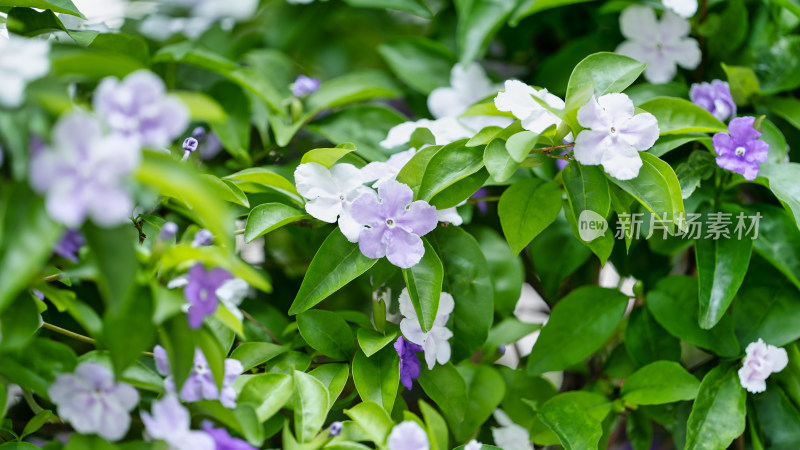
column 190, row 144
column 199, row 133
column 202, row 238
column 714, row 97
column 304, row 85
column 170, row 423
column 409, row 362
column 138, row 107
column 335, row 429
column 84, row 173
column 483, row 207
column 69, row 245
column 224, row 440
column 740, row 150
column 394, row 223
column 92, row 403
column 200, row 385
column 168, row 231
column 200, row 291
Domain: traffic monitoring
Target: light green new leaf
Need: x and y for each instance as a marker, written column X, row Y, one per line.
column 658, row 383
column 334, row 377
column 454, row 162
column 677, row 116
column 371, row 341
column 326, row 156
column 377, row 377
column 252, row 354
column 267, row 393
column 498, row 161
column 336, row 263
column 310, row 406
column 373, row 420
column 270, row 216
column 578, row 326
column 609, row 72
column 718, row 412
column 526, row 208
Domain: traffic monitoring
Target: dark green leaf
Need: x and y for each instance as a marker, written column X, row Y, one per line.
column 647, row 342
column 423, row 64
column 327, row 333
column 526, row 208
column 660, row 382
column 718, row 412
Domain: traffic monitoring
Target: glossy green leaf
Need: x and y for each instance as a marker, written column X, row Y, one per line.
column 202, row 107
column 377, row 377
column 424, row 283
column 213, row 256
column 485, row 391
column 646, row 341
column 334, row 377
column 347, row 125
column 526, row 208
column 778, row 240
column 310, row 406
column 371, row 341
column 416, row 7
column 325, row 156
column 676, row 116
column 351, row 88
column 36, row 422
column 423, row 64
column 787, row 108
column 575, row 417
column 128, row 328
column 446, row 387
column 478, row 21
column 660, row 382
column 59, row 6
column 607, row 72
column 327, row 333
column 267, row 393
column 718, row 412
column 520, row 144
column 743, row 83
column 782, row 181
column 498, row 161
column 528, row 7
column 373, row 420
column 435, row 425
column 269, row 216
column 578, row 326
column 674, row 305
column 336, row 263
column 449, row 165
column 778, row 418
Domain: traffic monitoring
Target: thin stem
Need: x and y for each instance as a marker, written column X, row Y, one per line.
column 555, row 147
column 51, row 278
column 261, row 326
column 475, row 200
column 239, row 231
column 78, row 337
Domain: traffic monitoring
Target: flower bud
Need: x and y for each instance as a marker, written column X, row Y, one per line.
column 335, row 429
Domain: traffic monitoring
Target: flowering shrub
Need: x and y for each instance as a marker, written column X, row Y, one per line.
column 399, row 224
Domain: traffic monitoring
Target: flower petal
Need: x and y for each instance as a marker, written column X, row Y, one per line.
column 370, row 242
column 641, row 131
column 314, row 180
column 592, row 115
column 403, row 249
column 395, row 196
column 517, row 99
column 420, row 218
column 638, row 23
column 590, row 146
column 622, row 162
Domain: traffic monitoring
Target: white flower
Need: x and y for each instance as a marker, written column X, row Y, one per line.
column 510, row 436
column 661, row 44
column 408, row 435
column 106, row 13
column 445, row 131
column 468, row 85
column 382, row 172
column 450, row 215
column 434, row 342
column 330, row 193
column 615, row 135
column 473, row 445
column 683, row 8
column 170, row 422
column 518, row 99
column 231, row 294
column 761, row 361
column 21, row 60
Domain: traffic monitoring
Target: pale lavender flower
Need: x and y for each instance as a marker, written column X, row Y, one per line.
column 395, row 224
column 138, row 107
column 761, row 361
column 92, row 403
column 170, row 423
column 168, row 231
column 335, row 429
column 304, row 85
column 409, row 362
column 200, row 292
column 714, row 97
column 83, row 174
column 200, row 385
column 203, row 238
column 223, row 440
column 199, row 133
column 473, row 445
column 70, row 244
column 190, row 144
column 211, row 147
column 383, row 171
column 509, row 435
column 517, row 98
column 408, row 435
column 740, row 150
column 683, row 8
column 435, row 342
column 615, row 135
column 662, row 45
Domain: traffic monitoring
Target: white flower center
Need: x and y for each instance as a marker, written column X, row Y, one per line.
column 390, row 223
column 200, row 369
column 740, row 151
column 341, row 197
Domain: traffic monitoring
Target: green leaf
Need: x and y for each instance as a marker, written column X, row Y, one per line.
column 416, row 7
column 647, row 342
column 202, row 107
column 436, row 426
column 137, row 375
column 669, row 142
column 587, row 189
column 377, row 377
column 128, row 327
column 778, row 240
column 115, row 256
column 528, row 7
column 310, row 406
column 267, row 217
column 658, row 383
column 498, row 161
column 791, row 5
column 372, row 341
column 36, row 422
column 26, row 239
column 351, row 88
column 252, row 354
column 178, row 340
column 267, row 393
column 327, row 333
column 452, row 163
column 326, row 156
column 718, row 412
column 214, row 352
column 421, row 63
column 578, row 326
column 373, row 420
column 19, row 323
column 29, row 22
column 576, row 418
column 674, row 305
column 606, row 72
column 336, row 263
column 485, row 391
column 334, row 377
column 347, row 125
column 59, row 6
column 721, row 266
column 447, row 388
column 37, row 365
column 467, row 280
column 259, row 177
column 424, row 282
column 782, row 180
column 778, row 418
column 520, row 144
column 506, row 269
column 657, row 189
column 676, row 116
column 743, row 83
column 478, row 21
column 526, row 208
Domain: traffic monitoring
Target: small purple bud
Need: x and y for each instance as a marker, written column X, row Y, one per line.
column 501, row 349
column 190, row 144
column 304, row 85
column 199, row 133
column 39, row 294
column 203, row 238
column 168, row 231
column 335, row 429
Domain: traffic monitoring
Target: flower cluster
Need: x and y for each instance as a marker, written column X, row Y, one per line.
column 200, row 385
